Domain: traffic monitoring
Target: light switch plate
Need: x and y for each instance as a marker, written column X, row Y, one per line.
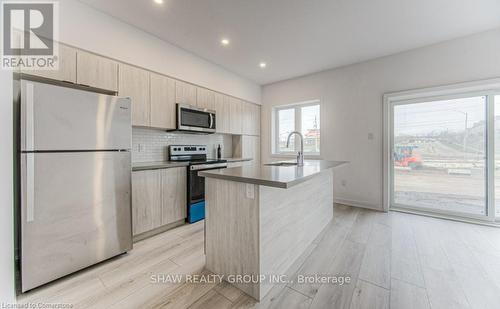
column 250, row 191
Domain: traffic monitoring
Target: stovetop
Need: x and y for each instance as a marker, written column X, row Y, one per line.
column 193, row 154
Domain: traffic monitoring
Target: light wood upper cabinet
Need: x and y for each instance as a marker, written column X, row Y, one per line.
column 146, row 201
column 96, row 71
column 67, row 66
column 251, row 119
column 162, row 92
column 173, row 195
column 235, row 114
column 222, row 116
column 206, row 98
column 256, row 119
column 134, row 83
column 185, row 93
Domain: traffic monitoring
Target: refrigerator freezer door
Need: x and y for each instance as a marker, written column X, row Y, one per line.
column 60, row 118
column 75, row 212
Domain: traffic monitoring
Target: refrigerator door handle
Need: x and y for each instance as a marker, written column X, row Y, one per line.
column 29, row 114
column 30, row 187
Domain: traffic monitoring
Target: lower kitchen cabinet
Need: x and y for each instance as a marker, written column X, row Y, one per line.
column 158, row 198
column 146, row 201
column 174, row 195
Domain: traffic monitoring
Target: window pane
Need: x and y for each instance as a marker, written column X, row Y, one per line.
column 310, row 128
column 497, row 155
column 439, row 155
column 286, row 119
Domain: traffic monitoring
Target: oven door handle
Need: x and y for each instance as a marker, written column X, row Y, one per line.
column 207, row 166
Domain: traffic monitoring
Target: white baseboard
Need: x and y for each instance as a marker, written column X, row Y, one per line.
column 358, row 204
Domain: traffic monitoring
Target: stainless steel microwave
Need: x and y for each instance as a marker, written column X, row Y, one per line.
column 194, row 119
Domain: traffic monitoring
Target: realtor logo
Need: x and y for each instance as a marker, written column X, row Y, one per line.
column 30, row 33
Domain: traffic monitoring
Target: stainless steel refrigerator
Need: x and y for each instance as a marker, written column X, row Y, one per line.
column 75, row 180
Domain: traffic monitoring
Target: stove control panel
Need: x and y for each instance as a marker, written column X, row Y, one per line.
column 187, row 152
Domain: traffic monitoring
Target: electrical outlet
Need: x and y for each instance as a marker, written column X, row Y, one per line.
column 141, row 148
column 370, row 136
column 344, row 182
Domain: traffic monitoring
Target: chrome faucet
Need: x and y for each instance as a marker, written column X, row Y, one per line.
column 300, row 155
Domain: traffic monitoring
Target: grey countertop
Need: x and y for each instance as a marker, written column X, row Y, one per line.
column 273, row 176
column 141, row 166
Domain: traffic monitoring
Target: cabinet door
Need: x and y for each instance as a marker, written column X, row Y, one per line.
column 251, row 148
column 134, row 83
column 185, row 93
column 256, row 119
column 174, row 186
column 222, row 121
column 96, row 71
column 146, row 201
column 206, row 99
column 256, row 150
column 235, row 113
column 247, row 114
column 67, row 66
column 162, row 101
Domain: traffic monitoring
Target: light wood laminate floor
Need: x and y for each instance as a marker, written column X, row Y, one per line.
column 394, row 260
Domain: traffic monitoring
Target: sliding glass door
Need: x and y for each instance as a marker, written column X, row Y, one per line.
column 443, row 150
column 497, row 155
column 439, row 155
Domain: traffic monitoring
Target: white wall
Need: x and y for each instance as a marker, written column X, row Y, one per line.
column 352, row 104
column 87, row 28
column 6, row 207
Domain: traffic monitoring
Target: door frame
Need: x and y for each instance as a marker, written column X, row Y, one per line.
column 489, row 88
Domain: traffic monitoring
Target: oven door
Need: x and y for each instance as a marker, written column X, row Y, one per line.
column 190, row 118
column 196, row 191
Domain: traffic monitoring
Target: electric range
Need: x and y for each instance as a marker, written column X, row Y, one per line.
column 196, row 155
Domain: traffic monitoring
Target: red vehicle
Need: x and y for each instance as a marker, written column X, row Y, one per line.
column 404, row 157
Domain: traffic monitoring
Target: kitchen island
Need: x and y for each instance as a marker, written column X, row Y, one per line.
column 261, row 218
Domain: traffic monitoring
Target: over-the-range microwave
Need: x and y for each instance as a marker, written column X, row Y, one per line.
column 194, row 119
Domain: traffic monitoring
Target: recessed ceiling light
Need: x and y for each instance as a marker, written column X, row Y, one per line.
column 262, row 65
column 224, row 42
column 159, row 1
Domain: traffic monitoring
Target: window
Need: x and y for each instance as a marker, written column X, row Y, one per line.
column 304, row 118
column 443, row 150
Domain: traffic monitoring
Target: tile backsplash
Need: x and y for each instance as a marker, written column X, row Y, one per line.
column 149, row 145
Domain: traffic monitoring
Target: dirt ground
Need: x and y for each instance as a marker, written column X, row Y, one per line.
column 437, row 189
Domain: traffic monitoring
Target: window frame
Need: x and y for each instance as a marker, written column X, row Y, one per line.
column 297, row 127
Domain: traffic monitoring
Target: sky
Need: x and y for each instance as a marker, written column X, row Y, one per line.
column 438, row 116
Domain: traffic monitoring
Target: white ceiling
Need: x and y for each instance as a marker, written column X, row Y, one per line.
column 297, row 37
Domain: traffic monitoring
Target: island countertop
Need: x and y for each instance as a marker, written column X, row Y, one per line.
column 273, row 176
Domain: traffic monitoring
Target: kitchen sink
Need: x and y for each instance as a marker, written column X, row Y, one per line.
column 282, row 164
